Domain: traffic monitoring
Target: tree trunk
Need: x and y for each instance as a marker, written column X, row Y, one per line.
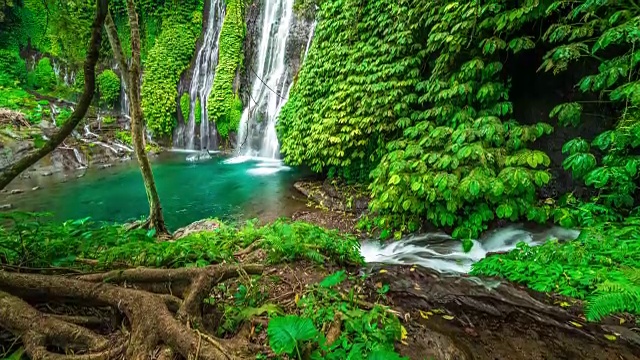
column 132, row 80
column 13, row 170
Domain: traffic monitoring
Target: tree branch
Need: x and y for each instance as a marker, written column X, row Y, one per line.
column 12, row 171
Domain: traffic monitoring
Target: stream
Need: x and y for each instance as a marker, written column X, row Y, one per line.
column 227, row 188
column 440, row 252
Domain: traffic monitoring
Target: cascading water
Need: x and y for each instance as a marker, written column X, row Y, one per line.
column 440, row 252
column 200, row 86
column 257, row 133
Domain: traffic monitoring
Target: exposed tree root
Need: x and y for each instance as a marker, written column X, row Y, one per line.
column 159, row 324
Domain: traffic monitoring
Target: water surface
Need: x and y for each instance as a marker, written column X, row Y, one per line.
column 189, row 191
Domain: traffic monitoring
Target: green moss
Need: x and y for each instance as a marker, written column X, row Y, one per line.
column 223, row 103
column 185, row 102
column 108, row 87
column 43, row 76
column 168, row 58
column 12, row 67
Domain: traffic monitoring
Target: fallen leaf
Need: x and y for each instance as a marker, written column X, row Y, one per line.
column 412, row 269
column 447, row 317
column 622, row 321
column 379, row 285
column 438, row 311
column 578, row 325
column 417, row 287
column 425, row 315
column 403, row 335
column 564, row 304
column 383, row 271
column 297, row 298
column 610, row 337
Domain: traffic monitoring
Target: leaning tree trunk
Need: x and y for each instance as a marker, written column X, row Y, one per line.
column 131, row 75
column 13, row 170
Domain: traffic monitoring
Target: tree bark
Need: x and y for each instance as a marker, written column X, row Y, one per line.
column 13, row 170
column 132, row 80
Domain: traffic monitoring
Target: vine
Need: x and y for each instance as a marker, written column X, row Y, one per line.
column 462, row 161
column 223, row 103
column 605, row 32
column 356, row 83
column 166, row 61
column 185, row 103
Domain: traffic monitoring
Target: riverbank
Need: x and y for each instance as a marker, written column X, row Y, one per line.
column 297, row 272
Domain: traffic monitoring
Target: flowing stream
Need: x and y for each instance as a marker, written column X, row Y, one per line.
column 200, row 87
column 440, row 252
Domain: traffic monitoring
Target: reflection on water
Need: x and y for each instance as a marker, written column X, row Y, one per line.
column 189, row 191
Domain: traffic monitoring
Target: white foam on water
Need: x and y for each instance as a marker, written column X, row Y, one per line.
column 442, row 253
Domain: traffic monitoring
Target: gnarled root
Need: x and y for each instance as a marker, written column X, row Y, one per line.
column 158, row 324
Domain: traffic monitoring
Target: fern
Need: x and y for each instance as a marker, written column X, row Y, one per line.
column 602, row 305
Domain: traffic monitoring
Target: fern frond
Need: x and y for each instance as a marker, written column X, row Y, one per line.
column 603, row 304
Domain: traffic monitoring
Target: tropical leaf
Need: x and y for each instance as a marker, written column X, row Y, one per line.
column 285, row 333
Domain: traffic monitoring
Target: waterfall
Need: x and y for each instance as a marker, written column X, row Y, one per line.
column 200, row 86
column 257, row 133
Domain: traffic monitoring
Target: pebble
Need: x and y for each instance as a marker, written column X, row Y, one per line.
column 47, row 173
column 6, row 207
column 105, row 166
column 16, row 191
column 35, row 188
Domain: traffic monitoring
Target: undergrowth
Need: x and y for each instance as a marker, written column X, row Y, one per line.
column 327, row 320
column 28, row 239
column 601, row 266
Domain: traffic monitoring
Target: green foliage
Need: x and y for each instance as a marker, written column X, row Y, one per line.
column 592, row 29
column 462, row 160
column 108, row 87
column 355, row 88
column 231, row 120
column 601, row 265
column 12, row 67
column 20, row 100
column 168, row 58
column 124, row 136
column 366, row 334
column 43, row 76
column 30, row 240
column 287, row 333
column 185, row 102
column 62, row 117
column 222, row 106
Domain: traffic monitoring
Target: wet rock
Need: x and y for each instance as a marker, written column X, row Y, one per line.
column 46, row 173
column 198, row 226
column 16, row 191
column 203, row 155
column 104, row 166
column 4, row 207
column 35, row 188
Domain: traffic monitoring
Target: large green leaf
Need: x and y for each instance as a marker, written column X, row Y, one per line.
column 285, row 333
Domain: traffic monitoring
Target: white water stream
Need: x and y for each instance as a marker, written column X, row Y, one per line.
column 200, row 87
column 440, row 252
column 257, row 133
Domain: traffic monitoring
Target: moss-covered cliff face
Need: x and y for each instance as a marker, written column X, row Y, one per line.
column 463, row 113
column 172, row 34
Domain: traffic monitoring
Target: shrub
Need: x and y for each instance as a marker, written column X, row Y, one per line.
column 108, row 87
column 44, row 77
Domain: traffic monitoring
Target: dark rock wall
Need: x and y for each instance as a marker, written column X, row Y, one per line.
column 535, row 93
